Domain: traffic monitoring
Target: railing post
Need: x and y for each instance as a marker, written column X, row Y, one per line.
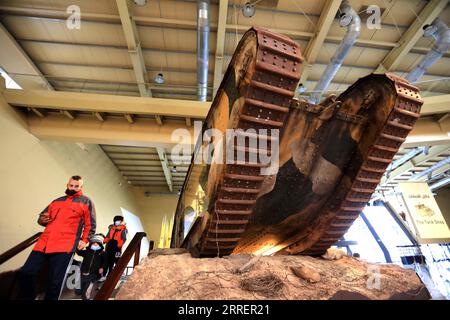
column 136, row 255
column 114, row 276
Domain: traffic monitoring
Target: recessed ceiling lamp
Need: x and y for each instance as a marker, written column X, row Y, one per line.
column 159, row 79
column 248, row 10
column 140, row 2
column 301, row 88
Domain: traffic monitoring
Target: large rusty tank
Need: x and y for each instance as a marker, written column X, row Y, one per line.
column 292, row 176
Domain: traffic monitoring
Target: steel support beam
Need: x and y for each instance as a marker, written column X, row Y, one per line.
column 409, row 165
column 165, row 166
column 377, row 238
column 134, row 49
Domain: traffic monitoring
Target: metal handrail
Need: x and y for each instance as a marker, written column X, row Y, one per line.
column 19, row 248
column 113, row 278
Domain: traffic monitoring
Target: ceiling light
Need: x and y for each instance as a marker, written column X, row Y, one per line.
column 301, row 88
column 429, row 30
column 173, row 170
column 159, row 79
column 140, row 2
column 345, row 19
column 248, row 10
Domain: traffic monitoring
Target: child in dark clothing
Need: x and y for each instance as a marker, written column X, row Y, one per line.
column 93, row 265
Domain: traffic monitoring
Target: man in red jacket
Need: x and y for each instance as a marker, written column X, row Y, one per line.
column 69, row 223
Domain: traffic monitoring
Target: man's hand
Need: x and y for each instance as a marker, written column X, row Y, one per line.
column 81, row 245
column 44, row 219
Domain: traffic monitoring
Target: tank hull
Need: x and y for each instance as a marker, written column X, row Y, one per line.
column 291, row 176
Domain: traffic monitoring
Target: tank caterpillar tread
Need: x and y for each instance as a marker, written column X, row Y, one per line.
column 379, row 111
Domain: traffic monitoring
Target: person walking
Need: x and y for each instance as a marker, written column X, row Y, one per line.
column 93, row 265
column 69, row 221
column 115, row 239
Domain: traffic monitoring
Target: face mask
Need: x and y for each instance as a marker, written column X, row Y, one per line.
column 95, row 247
column 70, row 192
column 117, row 223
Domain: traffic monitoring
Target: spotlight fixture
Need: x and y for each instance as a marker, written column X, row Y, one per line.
column 248, row 10
column 301, row 88
column 159, row 79
column 429, row 30
column 174, row 169
column 345, row 19
column 140, row 2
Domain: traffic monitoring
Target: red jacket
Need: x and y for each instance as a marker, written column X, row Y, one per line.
column 72, row 220
column 117, row 233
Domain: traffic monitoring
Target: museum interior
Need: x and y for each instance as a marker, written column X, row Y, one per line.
column 252, row 149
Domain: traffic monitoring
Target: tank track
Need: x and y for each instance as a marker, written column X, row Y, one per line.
column 401, row 120
column 266, row 105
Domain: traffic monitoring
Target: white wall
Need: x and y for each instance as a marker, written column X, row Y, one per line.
column 133, row 223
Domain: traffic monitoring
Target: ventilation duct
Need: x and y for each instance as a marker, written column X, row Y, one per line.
column 441, row 32
column 350, row 19
column 202, row 49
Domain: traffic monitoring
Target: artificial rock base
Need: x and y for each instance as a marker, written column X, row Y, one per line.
column 174, row 274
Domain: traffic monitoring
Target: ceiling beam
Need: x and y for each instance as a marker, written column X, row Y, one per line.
column 183, row 24
column 15, row 61
column 221, row 26
column 428, row 131
column 114, row 131
column 435, row 104
column 412, row 35
column 134, row 49
column 315, row 44
column 99, row 116
column 410, row 164
column 92, row 102
column 165, row 166
column 68, row 114
column 129, row 117
column 39, row 113
column 99, row 17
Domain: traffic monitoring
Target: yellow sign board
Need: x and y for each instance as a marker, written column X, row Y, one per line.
column 424, row 213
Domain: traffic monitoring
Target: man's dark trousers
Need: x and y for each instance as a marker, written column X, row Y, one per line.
column 57, row 268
